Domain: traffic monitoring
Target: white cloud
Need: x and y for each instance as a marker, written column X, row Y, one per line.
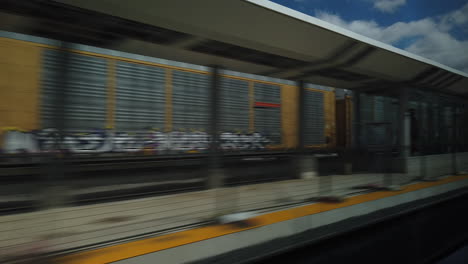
column 456, row 18
column 372, row 29
column 428, row 37
column 388, row 6
column 443, row 48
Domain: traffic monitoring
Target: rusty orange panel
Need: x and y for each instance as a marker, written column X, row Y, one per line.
column 168, row 114
column 19, row 87
column 330, row 118
column 344, row 110
column 289, row 115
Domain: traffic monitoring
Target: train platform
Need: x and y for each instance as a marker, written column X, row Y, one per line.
column 74, row 229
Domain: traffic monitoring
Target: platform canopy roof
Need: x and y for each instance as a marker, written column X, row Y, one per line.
column 251, row 36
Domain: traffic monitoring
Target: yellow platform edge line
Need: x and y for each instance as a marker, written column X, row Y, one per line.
column 150, row 245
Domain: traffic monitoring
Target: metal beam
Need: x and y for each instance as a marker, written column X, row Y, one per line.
column 336, row 55
column 188, row 42
column 348, row 63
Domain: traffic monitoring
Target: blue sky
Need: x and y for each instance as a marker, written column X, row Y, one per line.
column 436, row 29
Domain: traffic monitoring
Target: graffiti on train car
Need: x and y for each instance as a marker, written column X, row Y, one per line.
column 99, row 141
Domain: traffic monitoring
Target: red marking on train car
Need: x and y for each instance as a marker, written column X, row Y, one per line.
column 262, row 104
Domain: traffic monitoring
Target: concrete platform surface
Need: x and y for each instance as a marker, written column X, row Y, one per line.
column 72, row 227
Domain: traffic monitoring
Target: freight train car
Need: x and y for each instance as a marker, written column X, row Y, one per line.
column 121, row 102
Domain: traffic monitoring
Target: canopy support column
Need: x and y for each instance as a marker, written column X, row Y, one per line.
column 404, row 128
column 357, row 120
column 215, row 167
column 306, row 163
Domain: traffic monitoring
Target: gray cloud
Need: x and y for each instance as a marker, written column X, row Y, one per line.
column 388, row 6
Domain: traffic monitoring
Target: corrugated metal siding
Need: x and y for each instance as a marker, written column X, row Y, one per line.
column 121, row 54
column 367, row 116
column 378, row 109
column 190, row 100
column 314, row 118
column 85, row 105
column 268, row 120
column 140, row 97
column 379, row 133
column 367, row 105
column 393, row 113
column 447, row 128
column 448, row 116
column 234, row 105
column 422, row 118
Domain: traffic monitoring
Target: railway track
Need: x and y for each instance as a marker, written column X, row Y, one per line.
column 88, row 180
